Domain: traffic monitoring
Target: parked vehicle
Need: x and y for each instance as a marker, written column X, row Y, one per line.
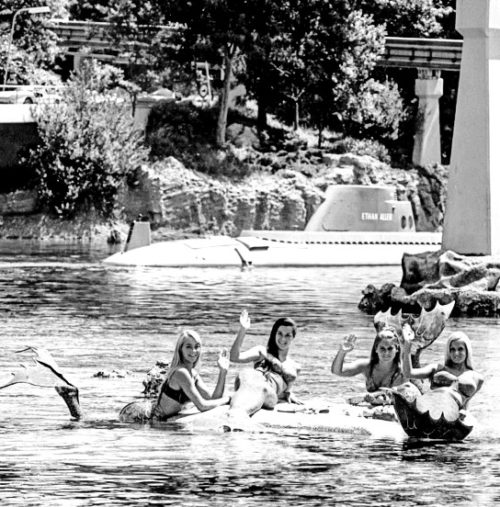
column 27, row 95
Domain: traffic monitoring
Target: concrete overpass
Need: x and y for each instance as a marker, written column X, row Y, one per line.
column 428, row 56
column 82, row 39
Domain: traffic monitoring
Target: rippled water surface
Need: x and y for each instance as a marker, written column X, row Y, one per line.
column 93, row 318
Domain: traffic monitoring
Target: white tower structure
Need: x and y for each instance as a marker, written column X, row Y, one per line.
column 472, row 218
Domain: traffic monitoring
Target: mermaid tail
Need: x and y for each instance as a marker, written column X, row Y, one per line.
column 137, row 411
column 63, row 387
column 427, row 326
column 434, row 415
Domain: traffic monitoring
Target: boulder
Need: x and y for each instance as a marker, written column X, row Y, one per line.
column 441, row 277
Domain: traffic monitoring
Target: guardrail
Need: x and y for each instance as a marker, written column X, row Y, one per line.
column 439, row 54
column 406, row 52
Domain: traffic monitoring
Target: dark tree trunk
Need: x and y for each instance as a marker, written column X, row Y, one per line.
column 220, row 135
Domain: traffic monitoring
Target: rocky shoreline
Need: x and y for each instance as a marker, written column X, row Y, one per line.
column 180, row 202
column 472, row 282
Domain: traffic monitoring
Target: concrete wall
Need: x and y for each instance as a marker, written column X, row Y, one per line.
column 17, row 130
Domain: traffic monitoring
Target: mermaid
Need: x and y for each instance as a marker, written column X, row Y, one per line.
column 274, row 372
column 383, row 369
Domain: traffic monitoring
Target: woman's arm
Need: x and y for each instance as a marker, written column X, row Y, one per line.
column 408, row 370
column 291, row 371
column 187, row 384
column 470, row 382
column 223, row 364
column 235, row 354
column 349, row 370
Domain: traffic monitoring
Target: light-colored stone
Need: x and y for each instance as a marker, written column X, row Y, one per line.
column 427, row 141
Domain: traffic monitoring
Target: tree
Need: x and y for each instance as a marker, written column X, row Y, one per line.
column 34, row 46
column 321, row 56
column 218, row 28
column 412, row 18
column 88, row 144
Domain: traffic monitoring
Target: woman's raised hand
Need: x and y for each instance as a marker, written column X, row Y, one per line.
column 245, row 320
column 349, row 342
column 223, row 361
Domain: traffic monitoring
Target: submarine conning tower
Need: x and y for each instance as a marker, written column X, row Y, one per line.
column 362, row 208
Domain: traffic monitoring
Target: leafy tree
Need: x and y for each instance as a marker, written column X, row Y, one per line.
column 89, row 10
column 88, row 144
column 218, row 28
column 34, row 46
column 412, row 18
column 322, row 56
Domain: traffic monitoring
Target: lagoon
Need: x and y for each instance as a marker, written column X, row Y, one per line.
column 94, row 317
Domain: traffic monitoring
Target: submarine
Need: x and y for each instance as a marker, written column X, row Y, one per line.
column 356, row 225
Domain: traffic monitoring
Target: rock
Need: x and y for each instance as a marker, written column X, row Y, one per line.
column 18, row 202
column 419, row 269
column 331, row 159
column 242, row 135
column 432, row 277
column 375, row 299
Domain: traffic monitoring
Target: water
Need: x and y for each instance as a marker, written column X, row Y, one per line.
column 93, row 318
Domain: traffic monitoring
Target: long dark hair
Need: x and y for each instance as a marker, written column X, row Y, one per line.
column 272, row 348
column 387, row 333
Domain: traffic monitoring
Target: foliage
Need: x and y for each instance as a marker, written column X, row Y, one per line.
column 369, row 147
column 182, row 131
column 412, row 18
column 88, row 145
column 327, row 56
column 89, row 10
column 375, row 112
column 34, row 45
column 220, row 29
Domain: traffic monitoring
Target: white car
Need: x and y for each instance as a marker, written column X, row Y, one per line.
column 26, row 95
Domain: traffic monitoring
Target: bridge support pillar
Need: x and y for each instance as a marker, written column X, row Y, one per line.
column 472, row 218
column 427, row 142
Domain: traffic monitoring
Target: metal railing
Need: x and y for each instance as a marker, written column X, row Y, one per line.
column 403, row 52
column 438, row 54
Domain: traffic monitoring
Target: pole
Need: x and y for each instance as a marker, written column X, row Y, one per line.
column 6, row 73
column 32, row 10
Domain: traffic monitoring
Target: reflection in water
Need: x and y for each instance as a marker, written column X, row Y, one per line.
column 94, row 318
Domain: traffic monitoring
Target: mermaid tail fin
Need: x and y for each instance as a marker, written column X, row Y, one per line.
column 427, row 326
column 43, row 357
column 434, row 415
column 27, row 375
column 387, row 319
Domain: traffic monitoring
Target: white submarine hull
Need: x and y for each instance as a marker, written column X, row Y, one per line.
column 281, row 249
column 356, row 225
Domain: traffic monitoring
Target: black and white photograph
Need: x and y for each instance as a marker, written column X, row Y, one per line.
column 249, row 253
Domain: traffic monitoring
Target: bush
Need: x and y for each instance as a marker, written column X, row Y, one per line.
column 376, row 112
column 88, row 145
column 187, row 133
column 362, row 147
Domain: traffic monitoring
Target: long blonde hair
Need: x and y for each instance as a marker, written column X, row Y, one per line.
column 177, row 359
column 459, row 336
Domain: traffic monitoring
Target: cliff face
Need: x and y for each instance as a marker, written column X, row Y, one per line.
column 174, row 197
column 179, row 201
